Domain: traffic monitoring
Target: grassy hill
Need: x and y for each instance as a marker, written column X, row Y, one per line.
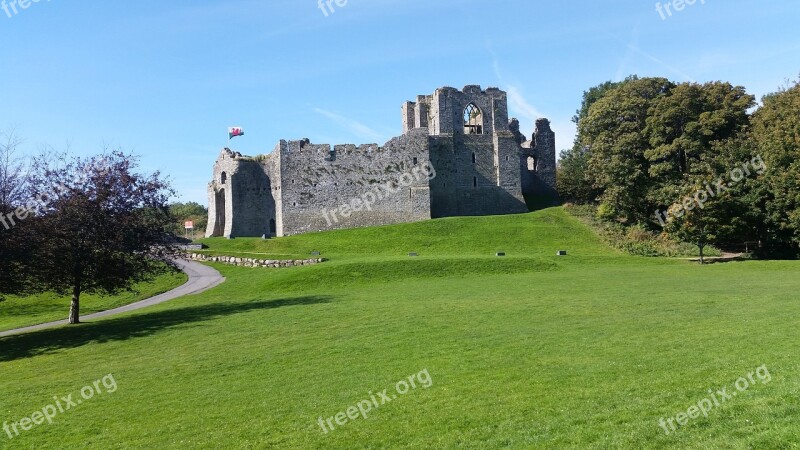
column 527, row 351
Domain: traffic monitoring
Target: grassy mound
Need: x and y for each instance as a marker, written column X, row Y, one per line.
column 541, row 233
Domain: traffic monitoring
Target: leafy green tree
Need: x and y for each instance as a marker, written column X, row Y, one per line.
column 614, row 130
column 190, row 211
column 573, row 181
column 707, row 214
column 696, row 225
column 595, row 93
column 683, row 127
column 776, row 132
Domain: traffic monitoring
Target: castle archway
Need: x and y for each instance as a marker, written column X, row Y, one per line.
column 473, row 120
column 219, row 207
column 531, row 164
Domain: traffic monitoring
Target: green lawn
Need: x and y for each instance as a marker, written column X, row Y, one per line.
column 17, row 312
column 527, row 351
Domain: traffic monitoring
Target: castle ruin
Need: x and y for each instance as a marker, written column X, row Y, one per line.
column 475, row 161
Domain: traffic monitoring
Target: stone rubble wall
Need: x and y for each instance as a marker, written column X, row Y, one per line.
column 323, row 187
column 252, row 262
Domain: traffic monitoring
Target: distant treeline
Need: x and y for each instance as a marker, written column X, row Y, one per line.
column 697, row 161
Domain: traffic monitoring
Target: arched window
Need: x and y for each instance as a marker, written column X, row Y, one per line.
column 531, row 164
column 474, row 181
column 224, row 178
column 473, row 157
column 473, row 120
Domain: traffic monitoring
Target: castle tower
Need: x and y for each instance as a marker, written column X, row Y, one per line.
column 538, row 164
column 474, row 150
column 240, row 202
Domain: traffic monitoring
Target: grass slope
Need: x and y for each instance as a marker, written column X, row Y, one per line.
column 530, row 351
column 539, row 234
column 18, row 312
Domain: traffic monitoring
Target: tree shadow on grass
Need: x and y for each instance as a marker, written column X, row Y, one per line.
column 128, row 327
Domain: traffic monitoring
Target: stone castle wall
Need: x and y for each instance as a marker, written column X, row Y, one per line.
column 325, row 188
column 476, row 168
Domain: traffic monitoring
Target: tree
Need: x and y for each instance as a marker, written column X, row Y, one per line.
column 593, row 94
column 16, row 256
column 13, row 172
column 190, row 211
column 651, row 141
column 696, row 226
column 573, row 180
column 614, row 132
column 776, row 132
column 99, row 227
column 683, row 128
column 15, row 250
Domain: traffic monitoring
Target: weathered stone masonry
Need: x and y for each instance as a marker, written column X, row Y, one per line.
column 483, row 166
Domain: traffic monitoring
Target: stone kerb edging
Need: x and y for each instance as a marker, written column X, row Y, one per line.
column 252, row 262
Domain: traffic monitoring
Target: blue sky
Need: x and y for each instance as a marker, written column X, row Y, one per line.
column 164, row 79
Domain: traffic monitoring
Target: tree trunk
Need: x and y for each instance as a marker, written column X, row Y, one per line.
column 74, row 307
column 702, row 257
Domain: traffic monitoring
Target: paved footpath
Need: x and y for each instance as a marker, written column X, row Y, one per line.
column 201, row 278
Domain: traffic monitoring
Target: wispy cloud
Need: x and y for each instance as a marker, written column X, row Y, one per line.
column 663, row 64
column 525, row 111
column 353, row 126
column 521, row 106
column 518, row 105
column 633, row 49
